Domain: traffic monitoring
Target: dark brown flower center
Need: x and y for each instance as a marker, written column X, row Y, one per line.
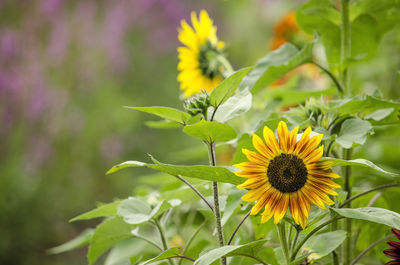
column 287, row 173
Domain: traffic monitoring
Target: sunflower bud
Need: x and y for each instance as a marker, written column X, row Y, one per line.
column 197, row 104
column 315, row 110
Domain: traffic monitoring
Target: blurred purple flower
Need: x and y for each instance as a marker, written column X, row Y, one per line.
column 58, row 42
column 51, row 6
column 8, row 45
column 111, row 148
column 38, row 152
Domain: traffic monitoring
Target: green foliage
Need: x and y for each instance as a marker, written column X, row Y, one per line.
column 372, row 214
column 359, row 162
column 81, row 240
column 166, row 113
column 104, row 210
column 274, row 65
column 219, row 174
column 353, row 131
column 234, row 106
column 210, row 131
column 169, row 253
column 323, row 244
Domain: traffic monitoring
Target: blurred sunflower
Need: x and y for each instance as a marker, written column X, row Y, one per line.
column 286, row 174
column 394, row 251
column 200, row 60
column 286, row 30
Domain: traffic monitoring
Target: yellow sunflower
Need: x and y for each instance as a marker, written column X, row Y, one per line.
column 198, row 65
column 285, row 174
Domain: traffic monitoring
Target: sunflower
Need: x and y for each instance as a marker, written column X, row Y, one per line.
column 394, row 251
column 198, row 60
column 285, row 30
column 286, row 174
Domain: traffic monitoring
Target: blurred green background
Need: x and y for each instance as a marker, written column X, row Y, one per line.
column 66, row 70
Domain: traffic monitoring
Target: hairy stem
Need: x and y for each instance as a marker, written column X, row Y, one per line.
column 347, row 247
column 369, row 248
column 282, row 238
column 366, row 192
column 237, row 228
column 217, row 213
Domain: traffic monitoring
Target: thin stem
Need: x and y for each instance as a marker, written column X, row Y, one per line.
column 289, row 237
column 196, row 191
column 237, row 228
column 347, row 247
column 226, row 64
column 163, row 239
column 294, row 254
column 253, row 257
column 185, row 257
column 191, row 239
column 366, row 192
column 149, row 241
column 335, row 257
column 217, row 213
column 374, row 199
column 334, row 79
column 282, row 239
column 296, row 236
column 345, row 42
column 369, row 248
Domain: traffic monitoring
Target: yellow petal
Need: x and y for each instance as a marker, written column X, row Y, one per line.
column 270, row 139
column 261, row 147
column 283, row 135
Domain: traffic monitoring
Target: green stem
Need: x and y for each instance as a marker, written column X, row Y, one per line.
column 369, row 248
column 191, row 239
column 217, row 213
column 334, row 79
column 347, row 248
column 335, row 258
column 293, row 245
column 163, row 238
column 196, row 191
column 253, row 257
column 282, row 238
column 345, row 43
column 304, row 240
column 366, row 192
column 237, row 228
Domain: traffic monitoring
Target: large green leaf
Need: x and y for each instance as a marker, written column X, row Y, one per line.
column 227, row 88
column 210, row 131
column 372, row 214
column 219, row 174
column 165, row 113
column 104, row 210
column 106, row 235
column 275, row 65
column 249, row 250
column 234, row 106
column 81, row 240
column 321, row 16
column 169, row 253
column 323, row 244
column 135, row 211
column 358, row 162
column 353, row 131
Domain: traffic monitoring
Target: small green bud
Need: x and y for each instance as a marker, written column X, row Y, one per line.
column 198, row 104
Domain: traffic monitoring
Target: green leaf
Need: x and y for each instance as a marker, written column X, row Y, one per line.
column 210, row 131
column 358, row 162
column 372, row 214
column 234, row 106
column 275, row 65
column 361, row 104
column 379, row 114
column 109, row 209
column 106, row 235
column 163, row 124
column 250, row 249
column 165, row 113
column 321, row 16
column 323, row 244
column 81, row 240
column 227, row 88
column 353, row 131
column 135, row 211
column 219, row 174
column 169, row 253
column 365, row 37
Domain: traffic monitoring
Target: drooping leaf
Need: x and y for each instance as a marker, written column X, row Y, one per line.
column 107, row 234
column 81, row 240
column 379, row 114
column 109, row 209
column 234, row 106
column 372, row 214
column 323, row 244
column 210, row 131
column 358, row 162
column 165, row 113
column 227, row 88
column 274, row 65
column 169, row 253
column 321, row 16
column 353, row 131
column 250, row 249
column 219, row 174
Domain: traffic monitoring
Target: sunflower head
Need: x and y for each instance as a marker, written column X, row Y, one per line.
column 199, row 66
column 394, row 251
column 286, row 173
